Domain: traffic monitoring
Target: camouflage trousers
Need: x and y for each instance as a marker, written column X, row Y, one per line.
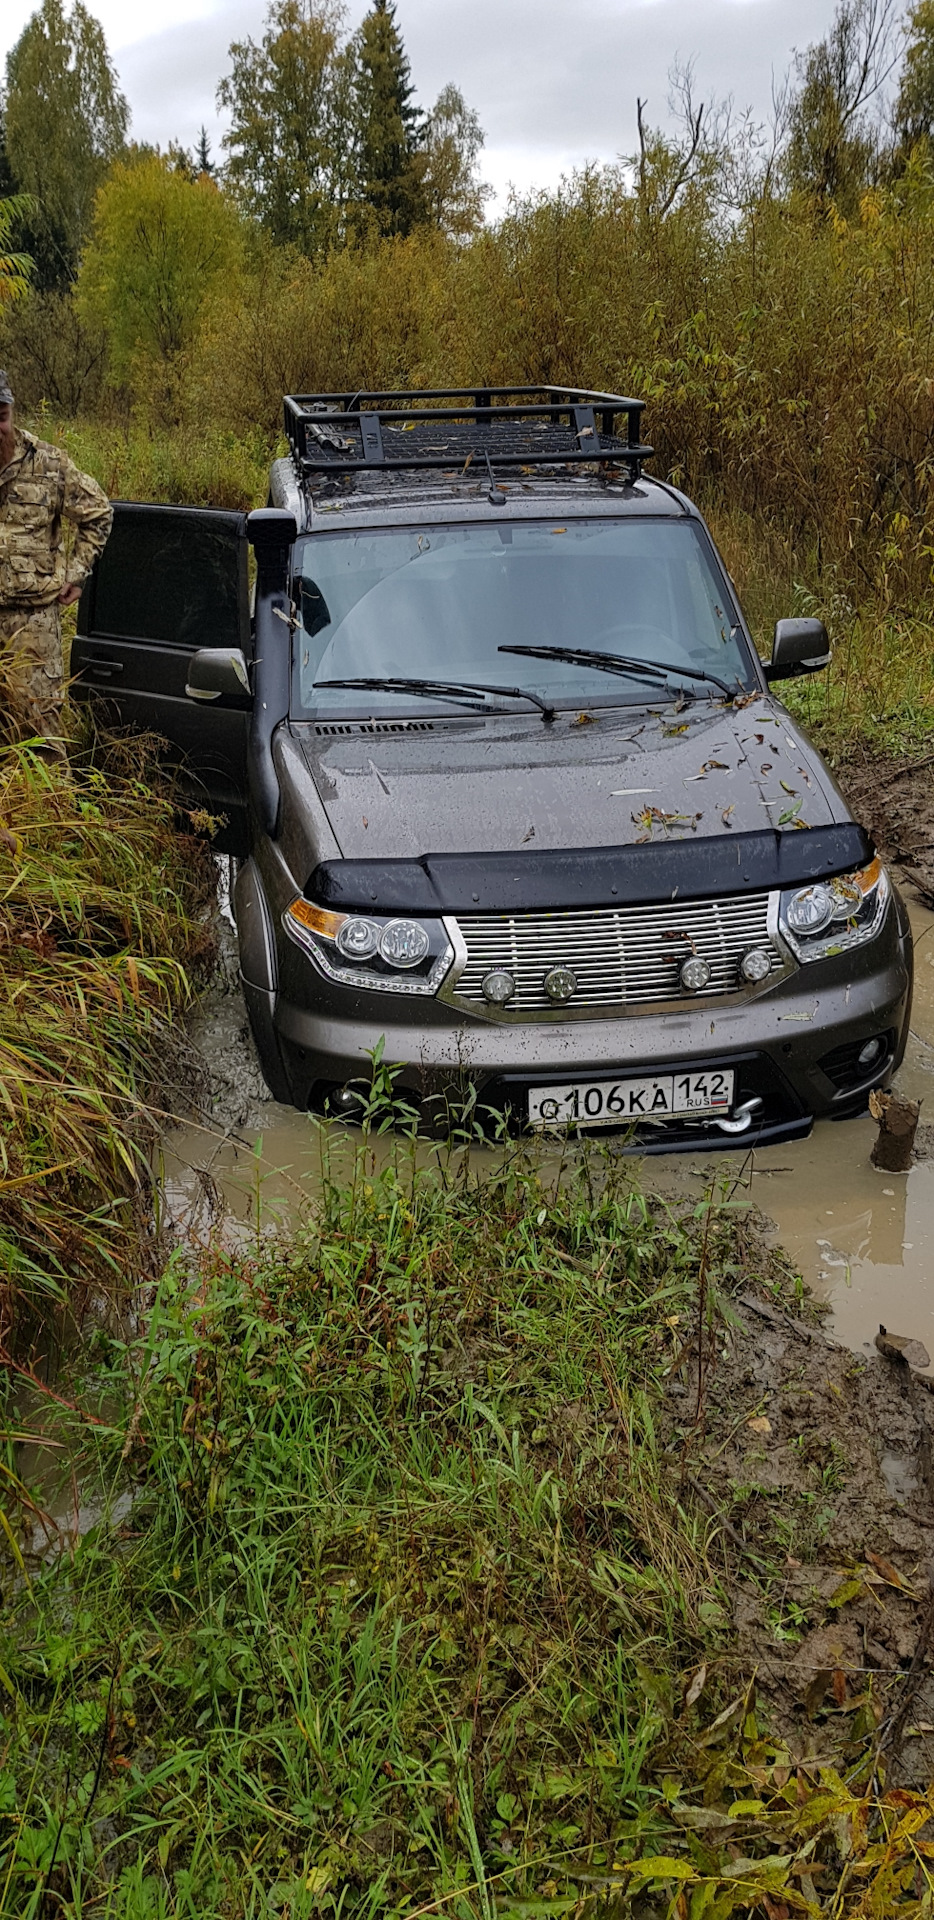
column 31, row 672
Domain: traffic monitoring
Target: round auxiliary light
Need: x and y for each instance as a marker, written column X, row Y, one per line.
column 358, row 939
column 755, row 965
column 560, row 983
column 498, row 987
column 870, row 1052
column 695, row 974
column 403, row 943
column 810, row 910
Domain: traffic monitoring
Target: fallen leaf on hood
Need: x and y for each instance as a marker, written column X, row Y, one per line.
column 584, row 720
column 725, row 815
column 657, row 817
column 788, row 789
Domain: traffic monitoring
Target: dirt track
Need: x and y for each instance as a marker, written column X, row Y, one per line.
column 819, row 1462
column 894, row 800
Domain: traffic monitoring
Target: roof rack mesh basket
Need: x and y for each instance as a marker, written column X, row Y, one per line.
column 330, row 433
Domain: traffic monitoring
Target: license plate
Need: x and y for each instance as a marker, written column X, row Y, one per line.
column 604, row 1103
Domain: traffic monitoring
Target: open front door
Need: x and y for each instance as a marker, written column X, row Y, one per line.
column 171, row 580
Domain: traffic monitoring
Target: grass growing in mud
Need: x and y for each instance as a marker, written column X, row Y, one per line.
column 408, row 1615
column 102, row 917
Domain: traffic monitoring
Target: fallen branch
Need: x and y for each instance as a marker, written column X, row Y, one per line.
column 731, row 1533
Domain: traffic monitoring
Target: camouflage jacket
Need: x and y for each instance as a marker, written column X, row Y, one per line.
column 39, row 489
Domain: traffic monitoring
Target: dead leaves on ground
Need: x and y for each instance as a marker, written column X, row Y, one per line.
column 777, row 1836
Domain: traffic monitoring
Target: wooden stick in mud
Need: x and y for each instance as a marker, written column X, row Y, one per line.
column 898, row 1124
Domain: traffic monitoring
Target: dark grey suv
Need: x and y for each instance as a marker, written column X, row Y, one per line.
column 506, row 783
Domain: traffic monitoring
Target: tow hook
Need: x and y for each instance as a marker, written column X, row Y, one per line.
column 742, row 1118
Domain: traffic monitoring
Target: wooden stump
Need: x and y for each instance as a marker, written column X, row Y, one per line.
column 898, row 1124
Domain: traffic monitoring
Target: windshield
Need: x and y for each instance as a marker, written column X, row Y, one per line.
column 441, row 604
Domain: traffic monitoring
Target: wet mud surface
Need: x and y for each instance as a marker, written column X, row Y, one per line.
column 895, row 802
column 816, row 1467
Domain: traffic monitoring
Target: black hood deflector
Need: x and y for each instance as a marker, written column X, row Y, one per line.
column 552, row 879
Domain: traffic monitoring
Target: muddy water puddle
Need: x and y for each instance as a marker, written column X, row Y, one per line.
column 863, row 1240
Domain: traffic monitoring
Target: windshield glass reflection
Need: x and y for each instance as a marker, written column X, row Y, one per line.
column 439, row 602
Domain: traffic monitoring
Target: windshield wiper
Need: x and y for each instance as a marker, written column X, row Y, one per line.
column 653, row 671
column 443, row 689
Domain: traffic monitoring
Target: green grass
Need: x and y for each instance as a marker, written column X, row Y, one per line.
column 103, row 926
column 201, row 466
column 878, row 692
column 398, row 1598
column 403, row 1614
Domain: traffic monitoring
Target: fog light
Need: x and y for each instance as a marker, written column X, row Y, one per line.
column 870, row 1052
column 695, row 974
column 403, row 943
column 498, row 987
column 755, row 965
column 345, row 1100
column 560, row 984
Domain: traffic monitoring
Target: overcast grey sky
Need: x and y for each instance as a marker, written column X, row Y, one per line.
column 554, row 81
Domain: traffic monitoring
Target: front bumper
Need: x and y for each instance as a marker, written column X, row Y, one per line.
column 793, row 1048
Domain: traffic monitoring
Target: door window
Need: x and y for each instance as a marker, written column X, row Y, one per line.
column 176, row 576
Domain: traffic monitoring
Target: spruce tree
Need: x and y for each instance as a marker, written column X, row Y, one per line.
column 391, row 127
column 202, row 157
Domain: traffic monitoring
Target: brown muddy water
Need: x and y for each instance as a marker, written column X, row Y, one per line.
column 860, row 1238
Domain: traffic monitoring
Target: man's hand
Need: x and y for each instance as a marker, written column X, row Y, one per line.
column 69, row 595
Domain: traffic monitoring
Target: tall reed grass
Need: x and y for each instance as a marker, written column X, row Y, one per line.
column 103, row 924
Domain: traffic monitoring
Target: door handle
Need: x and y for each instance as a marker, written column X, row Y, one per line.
column 104, row 669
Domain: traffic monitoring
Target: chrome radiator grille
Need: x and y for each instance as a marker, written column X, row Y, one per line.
column 621, row 956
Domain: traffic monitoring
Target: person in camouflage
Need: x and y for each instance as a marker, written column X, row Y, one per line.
column 40, row 487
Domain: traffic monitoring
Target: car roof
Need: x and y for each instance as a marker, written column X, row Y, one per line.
column 372, row 499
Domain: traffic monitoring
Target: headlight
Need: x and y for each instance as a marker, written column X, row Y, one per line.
column 831, row 915
column 372, row 950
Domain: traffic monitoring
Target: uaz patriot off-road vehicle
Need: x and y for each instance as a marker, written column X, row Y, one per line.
column 505, row 778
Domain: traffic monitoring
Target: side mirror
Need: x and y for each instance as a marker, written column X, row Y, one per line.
column 216, row 673
column 799, row 646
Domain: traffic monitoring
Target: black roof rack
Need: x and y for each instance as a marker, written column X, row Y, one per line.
column 331, row 433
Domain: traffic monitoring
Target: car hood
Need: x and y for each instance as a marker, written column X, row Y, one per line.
column 587, row 780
